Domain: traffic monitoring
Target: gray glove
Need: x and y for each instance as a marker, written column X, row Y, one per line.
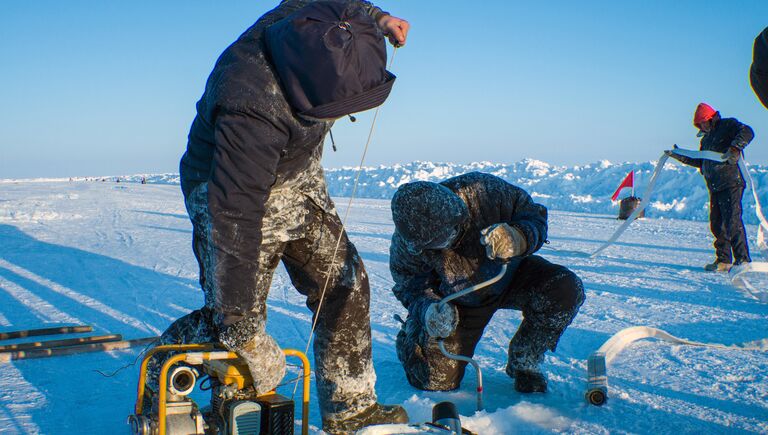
column 503, row 242
column 250, row 341
column 440, row 320
column 732, row 156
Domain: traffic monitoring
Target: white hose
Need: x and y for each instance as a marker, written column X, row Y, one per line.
column 597, row 364
column 738, row 273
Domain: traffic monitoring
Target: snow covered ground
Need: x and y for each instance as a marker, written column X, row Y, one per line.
column 118, row 257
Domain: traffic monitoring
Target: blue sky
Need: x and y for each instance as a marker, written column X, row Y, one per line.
column 98, row 87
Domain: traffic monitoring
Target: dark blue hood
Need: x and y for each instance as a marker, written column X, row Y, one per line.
column 331, row 59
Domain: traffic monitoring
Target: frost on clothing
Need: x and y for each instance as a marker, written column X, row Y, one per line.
column 300, row 229
column 256, row 194
column 549, row 295
column 245, row 141
column 438, row 273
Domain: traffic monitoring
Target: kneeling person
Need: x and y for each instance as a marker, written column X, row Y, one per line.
column 455, row 234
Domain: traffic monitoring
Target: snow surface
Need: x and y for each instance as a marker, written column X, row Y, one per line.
column 118, row 257
column 680, row 192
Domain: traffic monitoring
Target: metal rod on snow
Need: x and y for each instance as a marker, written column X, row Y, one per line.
column 72, row 350
column 47, row 344
column 44, row 331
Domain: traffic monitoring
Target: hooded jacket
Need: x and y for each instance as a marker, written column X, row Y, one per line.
column 245, row 141
column 433, row 274
column 726, row 133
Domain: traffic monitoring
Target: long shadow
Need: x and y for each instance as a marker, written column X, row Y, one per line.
column 174, row 230
column 740, row 409
column 631, row 244
column 14, row 311
column 114, row 283
column 692, row 298
column 387, row 237
column 101, row 322
column 157, row 213
column 375, row 256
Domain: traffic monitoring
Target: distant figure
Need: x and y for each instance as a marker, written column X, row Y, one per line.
column 725, row 183
column 454, row 234
column 143, row 180
column 117, row 180
column 758, row 74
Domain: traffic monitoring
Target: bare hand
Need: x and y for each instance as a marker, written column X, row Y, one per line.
column 396, row 29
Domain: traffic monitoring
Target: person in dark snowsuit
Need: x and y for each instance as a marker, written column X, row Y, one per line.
column 758, row 73
column 256, row 194
column 725, row 183
column 452, row 235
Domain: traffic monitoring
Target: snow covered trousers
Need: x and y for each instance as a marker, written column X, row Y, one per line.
column 300, row 229
column 549, row 296
column 727, row 226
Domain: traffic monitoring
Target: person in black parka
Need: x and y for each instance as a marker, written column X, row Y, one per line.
column 454, row 234
column 256, row 194
column 725, row 183
column 758, row 73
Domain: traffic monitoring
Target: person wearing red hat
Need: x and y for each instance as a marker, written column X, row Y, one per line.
column 725, row 183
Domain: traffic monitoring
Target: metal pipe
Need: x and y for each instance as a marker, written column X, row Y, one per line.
column 305, row 388
column 474, row 364
column 71, row 350
column 47, row 344
column 44, row 331
column 475, row 287
column 150, row 353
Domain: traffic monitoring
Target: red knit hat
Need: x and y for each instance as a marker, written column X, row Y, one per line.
column 704, row 112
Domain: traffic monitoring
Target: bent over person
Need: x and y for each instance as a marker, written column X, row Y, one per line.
column 455, row 234
column 256, row 194
column 725, row 183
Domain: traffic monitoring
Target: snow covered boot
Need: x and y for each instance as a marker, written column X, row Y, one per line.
column 530, row 381
column 375, row 414
column 524, row 368
column 718, row 266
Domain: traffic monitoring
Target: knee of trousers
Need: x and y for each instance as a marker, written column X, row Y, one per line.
column 564, row 293
column 426, row 368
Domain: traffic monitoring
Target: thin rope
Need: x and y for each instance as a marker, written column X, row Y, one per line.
column 343, row 224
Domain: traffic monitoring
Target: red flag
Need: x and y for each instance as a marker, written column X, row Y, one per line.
column 629, row 181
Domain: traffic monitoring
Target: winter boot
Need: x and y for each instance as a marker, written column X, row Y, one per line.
column 530, row 381
column 376, row 414
column 718, row 266
column 524, row 367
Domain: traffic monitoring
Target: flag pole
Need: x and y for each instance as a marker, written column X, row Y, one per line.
column 633, row 183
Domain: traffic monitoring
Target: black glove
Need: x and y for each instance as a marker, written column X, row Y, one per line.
column 732, row 156
column 671, row 153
